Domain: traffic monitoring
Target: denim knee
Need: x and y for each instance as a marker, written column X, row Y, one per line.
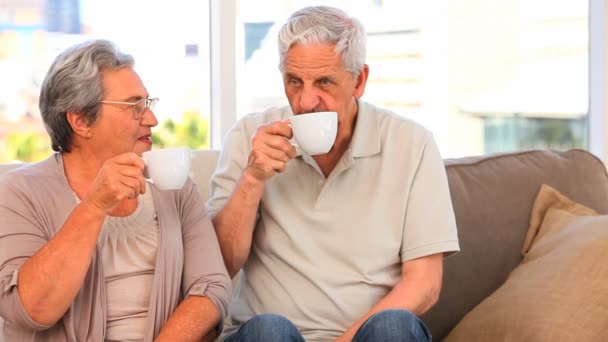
column 393, row 325
column 267, row 327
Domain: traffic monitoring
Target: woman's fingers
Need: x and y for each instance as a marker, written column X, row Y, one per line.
column 119, row 178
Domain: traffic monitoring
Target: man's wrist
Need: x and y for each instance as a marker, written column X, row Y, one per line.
column 251, row 182
column 251, row 186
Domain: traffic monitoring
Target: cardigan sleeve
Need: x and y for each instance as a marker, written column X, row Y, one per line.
column 204, row 272
column 22, row 234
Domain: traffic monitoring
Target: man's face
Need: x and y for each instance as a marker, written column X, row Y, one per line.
column 315, row 80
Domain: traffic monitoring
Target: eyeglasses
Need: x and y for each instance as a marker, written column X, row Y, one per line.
column 139, row 107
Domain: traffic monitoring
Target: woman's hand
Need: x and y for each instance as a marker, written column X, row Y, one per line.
column 119, row 178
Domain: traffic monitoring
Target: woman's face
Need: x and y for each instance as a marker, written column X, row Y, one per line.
column 116, row 130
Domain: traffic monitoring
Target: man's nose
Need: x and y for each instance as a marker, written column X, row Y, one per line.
column 309, row 99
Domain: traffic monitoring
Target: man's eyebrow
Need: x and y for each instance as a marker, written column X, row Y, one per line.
column 291, row 75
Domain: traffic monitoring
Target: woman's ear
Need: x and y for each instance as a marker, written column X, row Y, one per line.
column 79, row 124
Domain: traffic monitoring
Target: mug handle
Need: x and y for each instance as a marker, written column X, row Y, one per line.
column 292, row 140
column 147, row 179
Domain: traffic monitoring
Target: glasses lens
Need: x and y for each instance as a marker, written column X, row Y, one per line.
column 152, row 103
column 139, row 107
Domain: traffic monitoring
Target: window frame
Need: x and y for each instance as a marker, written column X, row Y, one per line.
column 223, row 88
column 598, row 142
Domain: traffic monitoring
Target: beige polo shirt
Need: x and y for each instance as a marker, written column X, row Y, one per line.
column 326, row 250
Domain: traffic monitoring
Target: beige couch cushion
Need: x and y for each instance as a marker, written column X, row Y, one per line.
column 203, row 165
column 560, row 290
column 493, row 197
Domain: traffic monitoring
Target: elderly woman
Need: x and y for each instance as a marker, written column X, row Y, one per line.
column 88, row 250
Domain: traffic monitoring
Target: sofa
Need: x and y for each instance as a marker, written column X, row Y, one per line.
column 493, row 198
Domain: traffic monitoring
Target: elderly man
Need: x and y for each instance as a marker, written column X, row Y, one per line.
column 342, row 246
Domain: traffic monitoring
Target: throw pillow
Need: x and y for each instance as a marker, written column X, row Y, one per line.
column 559, row 292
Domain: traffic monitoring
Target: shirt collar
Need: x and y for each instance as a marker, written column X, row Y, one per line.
column 366, row 138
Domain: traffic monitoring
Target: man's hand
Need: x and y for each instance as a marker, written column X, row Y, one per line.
column 270, row 150
column 119, row 178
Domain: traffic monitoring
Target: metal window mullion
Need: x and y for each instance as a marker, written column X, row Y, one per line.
column 598, row 141
column 223, row 90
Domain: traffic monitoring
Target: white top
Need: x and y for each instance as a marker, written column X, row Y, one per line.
column 326, row 250
column 128, row 247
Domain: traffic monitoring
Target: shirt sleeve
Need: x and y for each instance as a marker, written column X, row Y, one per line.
column 21, row 235
column 430, row 224
column 204, row 271
column 230, row 166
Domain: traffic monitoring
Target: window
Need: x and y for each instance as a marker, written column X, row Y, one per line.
column 169, row 41
column 483, row 76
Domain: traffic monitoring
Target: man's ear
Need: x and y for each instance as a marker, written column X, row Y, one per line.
column 361, row 81
column 79, row 124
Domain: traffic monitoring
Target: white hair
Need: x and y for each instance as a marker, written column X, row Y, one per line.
column 325, row 25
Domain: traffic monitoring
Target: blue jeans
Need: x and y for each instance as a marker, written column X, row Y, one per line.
column 393, row 326
column 388, row 325
column 266, row 328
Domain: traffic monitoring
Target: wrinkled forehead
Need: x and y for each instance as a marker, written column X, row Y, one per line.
column 122, row 83
column 312, row 56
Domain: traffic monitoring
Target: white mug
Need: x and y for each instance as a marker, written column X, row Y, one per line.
column 315, row 133
column 167, row 168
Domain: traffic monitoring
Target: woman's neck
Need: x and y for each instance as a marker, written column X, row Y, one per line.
column 81, row 170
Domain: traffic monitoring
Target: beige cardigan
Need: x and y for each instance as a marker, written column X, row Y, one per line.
column 35, row 201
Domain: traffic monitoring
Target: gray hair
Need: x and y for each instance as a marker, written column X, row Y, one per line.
column 325, row 25
column 73, row 84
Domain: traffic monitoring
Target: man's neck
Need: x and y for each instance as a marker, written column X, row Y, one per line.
column 346, row 129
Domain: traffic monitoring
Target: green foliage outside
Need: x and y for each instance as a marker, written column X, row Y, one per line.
column 26, row 146
column 513, row 133
column 191, row 131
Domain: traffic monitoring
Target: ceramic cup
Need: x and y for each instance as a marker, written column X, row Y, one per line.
column 167, row 168
column 315, row 133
